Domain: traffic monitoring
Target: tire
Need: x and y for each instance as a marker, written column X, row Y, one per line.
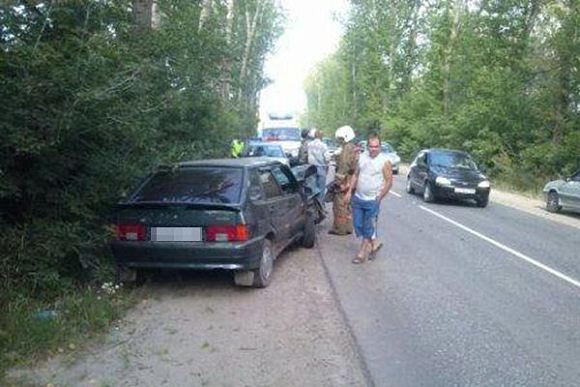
column 482, row 202
column 409, row 187
column 553, row 202
column 309, row 238
column 263, row 274
column 428, row 196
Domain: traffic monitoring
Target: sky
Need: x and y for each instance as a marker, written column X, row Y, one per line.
column 311, row 33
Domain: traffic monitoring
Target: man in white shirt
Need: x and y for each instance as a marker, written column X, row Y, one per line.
column 373, row 180
column 317, row 151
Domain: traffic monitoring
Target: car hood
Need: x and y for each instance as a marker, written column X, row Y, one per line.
column 393, row 158
column 459, row 173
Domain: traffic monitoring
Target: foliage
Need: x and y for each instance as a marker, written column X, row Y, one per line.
column 31, row 329
column 93, row 101
column 496, row 78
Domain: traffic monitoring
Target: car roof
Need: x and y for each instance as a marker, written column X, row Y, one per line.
column 242, row 162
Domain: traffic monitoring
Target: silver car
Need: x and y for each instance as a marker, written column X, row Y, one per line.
column 563, row 194
column 394, row 158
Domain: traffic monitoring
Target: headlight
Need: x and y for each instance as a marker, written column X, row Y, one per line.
column 484, row 184
column 442, row 181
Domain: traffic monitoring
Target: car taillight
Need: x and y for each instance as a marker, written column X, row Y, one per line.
column 237, row 233
column 131, row 232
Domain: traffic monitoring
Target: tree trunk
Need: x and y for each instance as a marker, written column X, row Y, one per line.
column 251, row 22
column 142, row 14
column 206, row 8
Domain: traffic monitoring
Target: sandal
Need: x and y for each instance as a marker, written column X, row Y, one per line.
column 358, row 260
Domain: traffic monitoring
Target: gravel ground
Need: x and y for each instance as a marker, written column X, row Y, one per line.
column 200, row 330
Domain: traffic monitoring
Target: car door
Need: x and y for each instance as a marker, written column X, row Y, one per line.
column 294, row 206
column 570, row 192
column 412, row 176
column 421, row 169
column 275, row 204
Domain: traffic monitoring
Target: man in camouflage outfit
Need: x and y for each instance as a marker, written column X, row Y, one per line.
column 346, row 164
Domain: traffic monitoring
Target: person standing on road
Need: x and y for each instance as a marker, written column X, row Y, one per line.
column 303, row 151
column 346, row 164
column 237, row 148
column 317, row 156
column 372, row 181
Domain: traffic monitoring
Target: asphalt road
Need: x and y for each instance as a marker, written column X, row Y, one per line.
column 462, row 296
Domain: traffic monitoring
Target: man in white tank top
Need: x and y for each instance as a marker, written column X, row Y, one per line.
column 373, row 180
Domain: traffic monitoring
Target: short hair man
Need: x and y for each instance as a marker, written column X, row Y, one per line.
column 373, row 180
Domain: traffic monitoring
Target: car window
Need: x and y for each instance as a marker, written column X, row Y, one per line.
column 192, row 185
column 271, row 187
column 283, row 180
column 255, row 186
column 575, row 177
column 421, row 159
column 451, row 160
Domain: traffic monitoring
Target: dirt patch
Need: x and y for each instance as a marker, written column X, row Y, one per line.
column 200, row 330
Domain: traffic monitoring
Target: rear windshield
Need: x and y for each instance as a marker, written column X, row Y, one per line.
column 193, row 185
column 264, row 150
column 281, row 134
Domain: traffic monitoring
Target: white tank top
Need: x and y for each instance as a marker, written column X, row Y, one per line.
column 370, row 176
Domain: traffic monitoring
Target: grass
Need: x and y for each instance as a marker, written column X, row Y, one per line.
column 30, row 330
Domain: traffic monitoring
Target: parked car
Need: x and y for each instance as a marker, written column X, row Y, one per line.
column 394, row 158
column 451, row 174
column 233, row 214
column 264, row 149
column 563, row 194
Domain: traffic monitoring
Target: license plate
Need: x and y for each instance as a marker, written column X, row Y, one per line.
column 465, row 190
column 176, row 234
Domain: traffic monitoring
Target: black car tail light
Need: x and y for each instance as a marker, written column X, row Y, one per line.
column 227, row 233
column 131, row 232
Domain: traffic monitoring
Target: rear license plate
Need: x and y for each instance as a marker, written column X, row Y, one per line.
column 465, row 190
column 176, row 234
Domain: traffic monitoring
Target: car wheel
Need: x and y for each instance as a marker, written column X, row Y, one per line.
column 263, row 274
column 309, row 238
column 553, row 202
column 428, row 195
column 409, row 187
column 482, row 201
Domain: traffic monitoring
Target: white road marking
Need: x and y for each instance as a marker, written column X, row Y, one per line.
column 394, row 193
column 509, row 250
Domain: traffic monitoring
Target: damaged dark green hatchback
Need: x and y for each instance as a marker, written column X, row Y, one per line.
column 233, row 214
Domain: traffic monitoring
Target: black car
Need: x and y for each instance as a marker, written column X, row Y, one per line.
column 449, row 174
column 234, row 214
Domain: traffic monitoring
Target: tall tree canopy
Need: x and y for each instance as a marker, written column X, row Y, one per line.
column 498, row 78
column 97, row 93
